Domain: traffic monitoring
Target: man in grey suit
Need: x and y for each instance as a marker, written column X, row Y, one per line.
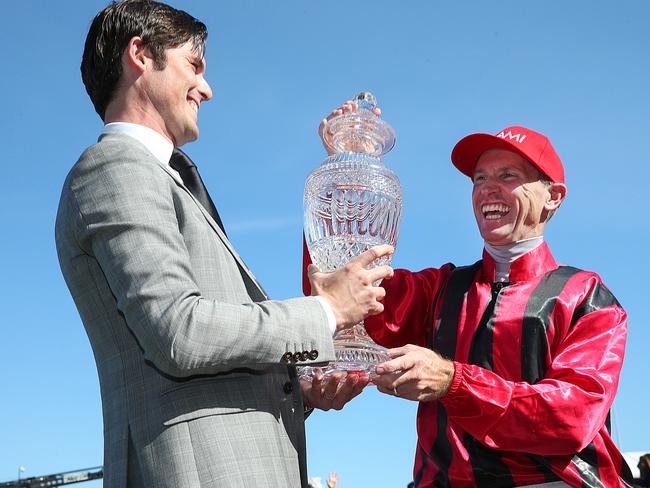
column 196, row 365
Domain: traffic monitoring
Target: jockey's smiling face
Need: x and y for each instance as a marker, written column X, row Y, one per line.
column 511, row 202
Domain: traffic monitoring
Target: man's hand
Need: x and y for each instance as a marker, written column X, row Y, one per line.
column 350, row 290
column 415, row 373
column 333, row 480
column 345, row 108
column 332, row 392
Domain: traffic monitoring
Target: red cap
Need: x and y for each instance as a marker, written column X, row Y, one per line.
column 531, row 145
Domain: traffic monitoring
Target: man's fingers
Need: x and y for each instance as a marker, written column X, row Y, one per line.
column 313, row 387
column 396, row 384
column 386, row 380
column 380, row 272
column 317, row 377
column 366, row 258
column 389, row 367
column 346, row 107
column 380, row 293
column 346, row 392
column 400, row 351
column 399, row 362
column 311, row 269
column 375, row 309
column 331, row 386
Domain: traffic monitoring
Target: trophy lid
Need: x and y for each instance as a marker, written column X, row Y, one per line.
column 360, row 131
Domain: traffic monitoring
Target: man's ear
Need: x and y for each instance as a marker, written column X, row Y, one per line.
column 136, row 55
column 556, row 194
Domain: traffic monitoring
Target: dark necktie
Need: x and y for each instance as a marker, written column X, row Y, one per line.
column 192, row 180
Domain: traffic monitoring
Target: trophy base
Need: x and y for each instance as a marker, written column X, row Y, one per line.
column 355, row 352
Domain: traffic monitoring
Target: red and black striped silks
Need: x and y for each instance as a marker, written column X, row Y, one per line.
column 537, row 362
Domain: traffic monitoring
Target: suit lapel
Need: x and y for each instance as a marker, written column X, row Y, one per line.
column 260, row 291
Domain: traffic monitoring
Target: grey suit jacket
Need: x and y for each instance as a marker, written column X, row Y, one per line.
column 194, row 389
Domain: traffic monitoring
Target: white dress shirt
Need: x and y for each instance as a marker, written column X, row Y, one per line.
column 155, row 142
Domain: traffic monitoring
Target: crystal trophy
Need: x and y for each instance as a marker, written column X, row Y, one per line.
column 352, row 202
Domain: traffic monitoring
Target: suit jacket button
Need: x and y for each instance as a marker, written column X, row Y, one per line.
column 297, row 357
column 288, row 387
column 313, row 355
column 287, row 357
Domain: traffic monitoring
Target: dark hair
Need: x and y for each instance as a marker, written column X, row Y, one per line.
column 160, row 26
column 644, row 467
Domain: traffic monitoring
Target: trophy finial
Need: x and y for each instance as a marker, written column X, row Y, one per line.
column 360, row 131
column 367, row 100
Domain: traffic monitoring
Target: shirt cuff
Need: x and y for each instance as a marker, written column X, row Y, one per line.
column 455, row 382
column 331, row 318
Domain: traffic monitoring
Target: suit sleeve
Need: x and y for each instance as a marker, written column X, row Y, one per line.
column 562, row 413
column 127, row 221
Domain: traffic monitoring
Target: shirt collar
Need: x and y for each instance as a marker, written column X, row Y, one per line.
column 534, row 263
column 155, row 142
column 510, row 252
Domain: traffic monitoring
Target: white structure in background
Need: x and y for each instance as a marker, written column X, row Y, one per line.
column 632, row 459
column 316, row 483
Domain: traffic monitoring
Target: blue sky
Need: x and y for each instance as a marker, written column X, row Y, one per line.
column 577, row 71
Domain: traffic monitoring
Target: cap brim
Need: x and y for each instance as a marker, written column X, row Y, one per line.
column 467, row 151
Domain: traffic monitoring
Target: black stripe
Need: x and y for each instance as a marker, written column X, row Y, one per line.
column 599, row 297
column 626, row 473
column 420, row 473
column 432, row 329
column 446, row 328
column 441, row 452
column 481, row 349
column 586, row 462
column 489, row 471
column 534, row 339
column 544, row 467
column 444, row 342
column 487, row 466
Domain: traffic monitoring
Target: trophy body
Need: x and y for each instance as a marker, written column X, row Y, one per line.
column 352, row 202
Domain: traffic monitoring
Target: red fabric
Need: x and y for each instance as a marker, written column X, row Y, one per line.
column 548, row 422
column 306, row 261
